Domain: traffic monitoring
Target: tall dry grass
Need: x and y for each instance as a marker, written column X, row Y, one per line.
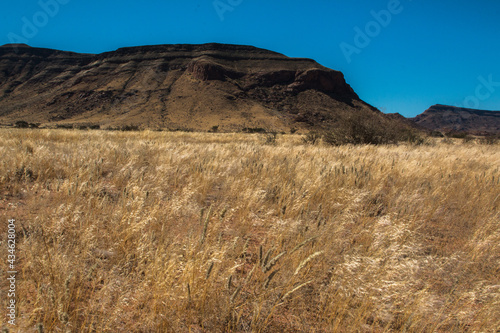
column 191, row 232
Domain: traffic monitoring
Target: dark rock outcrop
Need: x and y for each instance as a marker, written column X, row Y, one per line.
column 327, row 81
column 204, row 69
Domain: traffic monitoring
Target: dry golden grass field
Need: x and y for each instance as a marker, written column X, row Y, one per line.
column 198, row 232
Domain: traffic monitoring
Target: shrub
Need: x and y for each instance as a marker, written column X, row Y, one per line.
column 129, row 128
column 456, row 134
column 311, row 138
column 436, row 134
column 490, row 139
column 254, row 130
column 468, row 139
column 64, row 126
column 447, row 141
column 410, row 136
column 359, row 131
column 22, row 124
column 270, row 138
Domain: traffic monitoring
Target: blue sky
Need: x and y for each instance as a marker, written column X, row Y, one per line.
column 400, row 56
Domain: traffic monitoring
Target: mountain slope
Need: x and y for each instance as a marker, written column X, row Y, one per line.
column 450, row 118
column 175, row 86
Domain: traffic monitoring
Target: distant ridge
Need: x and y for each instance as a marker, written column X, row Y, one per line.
column 14, row 45
column 183, row 86
column 450, row 118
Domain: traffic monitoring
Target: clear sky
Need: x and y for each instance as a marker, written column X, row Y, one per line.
column 400, row 56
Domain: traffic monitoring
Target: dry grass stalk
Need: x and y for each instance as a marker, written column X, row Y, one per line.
column 235, row 294
column 305, row 261
column 295, row 289
column 299, row 246
column 273, row 262
column 269, row 278
column 209, row 270
column 205, row 226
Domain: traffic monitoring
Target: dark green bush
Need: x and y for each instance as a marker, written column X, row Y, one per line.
column 490, row 139
column 64, row 126
column 468, row 138
column 22, row 124
column 311, row 138
column 254, row 130
column 436, row 134
column 456, row 134
column 270, row 138
column 358, row 130
column 129, row 128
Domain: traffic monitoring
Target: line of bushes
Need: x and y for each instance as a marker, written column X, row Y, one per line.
column 357, row 131
column 25, row 124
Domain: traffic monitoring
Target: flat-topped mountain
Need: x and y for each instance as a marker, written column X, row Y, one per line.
column 450, row 118
column 175, row 86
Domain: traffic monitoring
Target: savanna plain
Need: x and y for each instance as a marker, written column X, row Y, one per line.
column 218, row 232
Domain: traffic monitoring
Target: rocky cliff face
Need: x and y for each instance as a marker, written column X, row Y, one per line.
column 173, row 86
column 450, row 118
